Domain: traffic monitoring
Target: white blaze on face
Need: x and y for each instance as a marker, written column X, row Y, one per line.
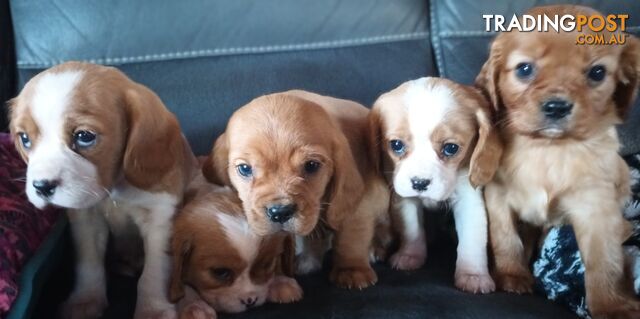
column 51, row 158
column 247, row 244
column 427, row 106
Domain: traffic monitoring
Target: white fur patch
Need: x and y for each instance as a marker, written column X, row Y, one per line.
column 51, row 158
column 240, row 235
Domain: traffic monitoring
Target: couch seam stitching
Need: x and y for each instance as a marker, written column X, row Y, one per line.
column 239, row 50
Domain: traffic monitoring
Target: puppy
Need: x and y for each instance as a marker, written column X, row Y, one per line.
column 301, row 163
column 438, row 145
column 102, row 145
column 559, row 103
column 219, row 264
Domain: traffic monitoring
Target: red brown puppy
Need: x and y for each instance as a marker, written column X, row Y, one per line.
column 300, row 163
column 559, row 103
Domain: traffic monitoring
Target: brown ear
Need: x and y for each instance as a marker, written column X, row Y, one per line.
column 215, row 167
column 487, row 79
column 488, row 150
column 346, row 187
column 375, row 138
column 627, row 86
column 154, row 142
column 181, row 251
column 288, row 257
column 11, row 108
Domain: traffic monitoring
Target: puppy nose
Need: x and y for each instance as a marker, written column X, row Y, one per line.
column 557, row 108
column 279, row 213
column 45, row 187
column 420, row 184
column 249, row 302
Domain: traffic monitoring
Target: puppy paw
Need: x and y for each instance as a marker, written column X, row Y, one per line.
column 410, row 256
column 478, row 283
column 84, row 306
column 619, row 308
column 306, row 264
column 158, row 311
column 521, row 283
column 198, row 309
column 284, row 290
column 353, row 277
column 377, row 254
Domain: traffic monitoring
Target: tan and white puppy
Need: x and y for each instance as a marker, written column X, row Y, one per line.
column 220, row 264
column 438, row 146
column 301, row 163
column 102, row 145
column 559, row 103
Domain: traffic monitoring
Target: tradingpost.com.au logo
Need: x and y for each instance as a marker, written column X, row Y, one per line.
column 614, row 23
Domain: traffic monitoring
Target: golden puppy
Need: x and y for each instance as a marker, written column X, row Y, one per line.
column 219, row 264
column 559, row 103
column 300, row 162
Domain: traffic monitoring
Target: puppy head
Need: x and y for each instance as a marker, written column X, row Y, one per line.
column 216, row 253
column 430, row 129
column 81, row 127
column 286, row 158
column 547, row 86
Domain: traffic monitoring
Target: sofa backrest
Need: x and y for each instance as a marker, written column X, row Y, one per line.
column 207, row 58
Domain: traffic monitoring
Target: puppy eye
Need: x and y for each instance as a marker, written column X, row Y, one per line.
column 24, row 139
column 245, row 170
column 222, row 274
column 597, row 73
column 397, row 146
column 311, row 167
column 525, row 71
column 84, row 139
column 450, row 149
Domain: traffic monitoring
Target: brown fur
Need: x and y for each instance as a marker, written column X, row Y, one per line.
column 276, row 134
column 575, row 177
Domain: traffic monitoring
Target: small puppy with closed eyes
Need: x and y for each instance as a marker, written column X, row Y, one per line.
column 559, row 103
column 438, row 145
column 219, row 264
column 301, row 163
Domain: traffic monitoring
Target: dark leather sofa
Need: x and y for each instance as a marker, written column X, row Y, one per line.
column 207, row 58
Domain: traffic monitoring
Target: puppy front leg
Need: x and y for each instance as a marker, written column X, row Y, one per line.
column 408, row 218
column 90, row 233
column 600, row 231
column 512, row 273
column 472, row 271
column 153, row 285
column 191, row 306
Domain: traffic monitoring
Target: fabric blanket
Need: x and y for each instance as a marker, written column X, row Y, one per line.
column 559, row 271
column 22, row 226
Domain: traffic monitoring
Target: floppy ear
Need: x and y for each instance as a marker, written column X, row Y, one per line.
column 181, row 251
column 487, row 79
column 215, row 166
column 627, row 86
column 11, row 107
column 287, row 259
column 346, row 186
column 375, row 138
column 488, row 150
column 154, row 142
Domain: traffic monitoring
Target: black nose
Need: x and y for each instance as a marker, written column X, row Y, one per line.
column 281, row 213
column 249, row 302
column 557, row 108
column 45, row 187
column 420, row 184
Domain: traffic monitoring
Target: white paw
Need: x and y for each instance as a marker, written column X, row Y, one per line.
column 198, row 309
column 409, row 257
column 480, row 283
column 84, row 306
column 307, row 263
